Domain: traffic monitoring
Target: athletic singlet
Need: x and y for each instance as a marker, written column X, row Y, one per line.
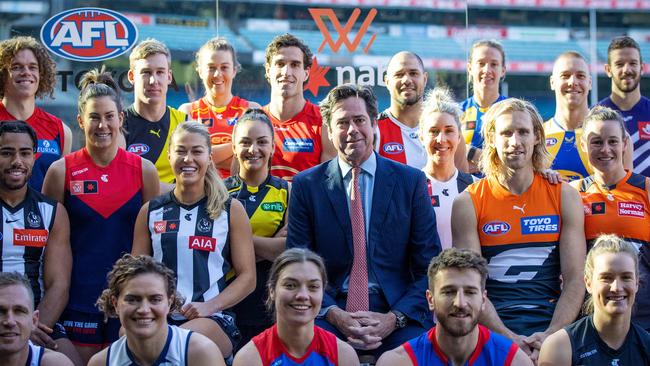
column 219, row 120
column 587, row 348
column 520, row 237
column 399, row 142
column 24, row 234
column 322, row 351
column 298, row 144
column 103, row 203
column 150, row 140
column 564, row 146
column 190, row 243
column 266, row 207
column 472, row 121
column 174, row 353
column 491, row 349
column 442, row 199
column 35, row 354
column 637, row 123
column 49, row 131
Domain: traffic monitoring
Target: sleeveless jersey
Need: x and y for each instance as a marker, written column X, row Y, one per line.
column 151, row 140
column 491, row 349
column 323, row 350
column 399, row 142
column 190, row 243
column 24, row 234
column 35, row 354
column 442, row 198
column 564, row 146
column 219, row 120
column 174, row 353
column 298, row 142
column 472, row 121
column 520, row 236
column 589, row 349
column 266, row 207
column 49, row 131
column 637, row 122
column 103, row 203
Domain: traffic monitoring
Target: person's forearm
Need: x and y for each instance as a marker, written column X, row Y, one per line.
column 490, row 319
column 52, row 304
column 235, row 292
column 268, row 248
column 568, row 305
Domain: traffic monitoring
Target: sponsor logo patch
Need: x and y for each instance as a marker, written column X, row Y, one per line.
column 207, row 122
column 435, row 201
column 540, row 224
column 204, row 243
column 220, row 138
column 165, row 226
column 48, row 147
column 393, row 148
column 30, row 237
column 272, row 206
column 138, row 149
column 298, row 145
column 551, row 141
column 496, row 228
column 597, row 208
column 644, row 130
column 78, row 187
column 632, row 209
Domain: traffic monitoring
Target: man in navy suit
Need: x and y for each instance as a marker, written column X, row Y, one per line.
column 398, row 219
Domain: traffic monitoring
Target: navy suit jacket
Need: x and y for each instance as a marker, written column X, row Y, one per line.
column 402, row 236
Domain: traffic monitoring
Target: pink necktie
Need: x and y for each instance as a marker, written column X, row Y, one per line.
column 358, row 289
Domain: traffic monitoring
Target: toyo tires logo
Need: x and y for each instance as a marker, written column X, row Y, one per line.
column 89, row 34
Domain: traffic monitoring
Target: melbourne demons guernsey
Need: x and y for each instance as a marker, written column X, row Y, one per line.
column 491, row 349
column 49, row 131
column 442, row 198
column 219, row 120
column 298, row 144
column 191, row 244
column 520, row 236
column 24, row 233
column 472, row 121
column 637, row 123
column 103, row 203
column 564, row 146
column 150, row 140
column 322, row 351
column 399, row 142
column 174, row 353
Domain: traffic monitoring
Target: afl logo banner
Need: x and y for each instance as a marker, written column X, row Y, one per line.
column 89, row 34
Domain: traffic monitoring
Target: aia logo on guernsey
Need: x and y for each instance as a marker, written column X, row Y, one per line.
column 204, row 243
column 30, row 237
column 89, row 34
column 393, row 148
column 138, row 149
column 633, row 209
column 496, row 228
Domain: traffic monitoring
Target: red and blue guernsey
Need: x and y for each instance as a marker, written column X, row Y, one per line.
column 103, row 203
column 491, row 350
column 49, row 131
column 322, row 351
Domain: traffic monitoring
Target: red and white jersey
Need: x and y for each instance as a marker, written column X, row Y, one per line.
column 399, row 142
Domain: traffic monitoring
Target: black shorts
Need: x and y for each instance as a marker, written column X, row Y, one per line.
column 225, row 320
column 90, row 329
column 58, row 332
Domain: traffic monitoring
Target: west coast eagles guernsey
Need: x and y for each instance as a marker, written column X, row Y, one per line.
column 564, row 146
column 399, row 142
column 520, row 236
column 322, row 351
column 472, row 121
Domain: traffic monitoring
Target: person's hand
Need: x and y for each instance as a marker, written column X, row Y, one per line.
column 534, row 341
column 282, row 233
column 553, row 177
column 520, row 341
column 381, row 324
column 358, row 334
column 41, row 336
column 197, row 310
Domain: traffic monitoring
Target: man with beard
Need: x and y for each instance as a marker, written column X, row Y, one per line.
column 624, row 66
column 35, row 236
column 456, row 295
column 397, row 127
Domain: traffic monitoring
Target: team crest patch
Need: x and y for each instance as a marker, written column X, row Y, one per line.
column 644, row 130
column 166, row 226
column 33, row 220
column 496, row 228
column 204, row 243
column 435, row 201
column 632, row 209
column 78, row 187
column 207, row 122
column 540, row 224
column 205, row 225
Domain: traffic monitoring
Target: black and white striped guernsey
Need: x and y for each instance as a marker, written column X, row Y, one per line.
column 194, row 246
column 24, row 232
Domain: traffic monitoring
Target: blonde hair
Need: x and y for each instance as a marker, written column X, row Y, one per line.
column 440, row 100
column 490, row 164
column 215, row 189
column 147, row 48
column 607, row 243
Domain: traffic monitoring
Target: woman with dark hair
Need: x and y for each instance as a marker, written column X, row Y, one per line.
column 204, row 236
column 141, row 293
column 102, row 187
column 296, row 283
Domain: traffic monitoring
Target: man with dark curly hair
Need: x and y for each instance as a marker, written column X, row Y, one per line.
column 26, row 72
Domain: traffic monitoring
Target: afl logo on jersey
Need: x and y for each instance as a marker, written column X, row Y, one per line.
column 393, row 148
column 89, row 34
column 138, row 149
column 551, row 141
column 496, row 228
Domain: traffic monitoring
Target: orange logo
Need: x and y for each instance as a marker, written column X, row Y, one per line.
column 343, row 32
column 30, row 237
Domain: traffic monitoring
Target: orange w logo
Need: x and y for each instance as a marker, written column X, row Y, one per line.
column 343, row 32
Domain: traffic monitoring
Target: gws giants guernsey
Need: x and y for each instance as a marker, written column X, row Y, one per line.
column 173, row 354
column 191, row 244
column 25, row 230
column 520, row 236
column 103, row 203
column 400, row 142
column 322, row 351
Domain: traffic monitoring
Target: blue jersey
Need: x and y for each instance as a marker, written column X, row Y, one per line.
column 491, row 350
column 174, row 353
column 472, row 121
column 637, row 122
column 564, row 146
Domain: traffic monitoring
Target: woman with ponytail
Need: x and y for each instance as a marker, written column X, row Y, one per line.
column 204, row 236
column 102, row 188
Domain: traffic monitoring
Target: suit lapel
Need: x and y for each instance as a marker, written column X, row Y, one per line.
column 338, row 199
column 381, row 198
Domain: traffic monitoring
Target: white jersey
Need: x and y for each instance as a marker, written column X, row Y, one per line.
column 174, row 353
column 399, row 142
column 442, row 198
column 35, row 354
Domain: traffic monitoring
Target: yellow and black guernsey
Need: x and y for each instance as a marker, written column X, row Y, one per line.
column 150, row 139
column 266, row 207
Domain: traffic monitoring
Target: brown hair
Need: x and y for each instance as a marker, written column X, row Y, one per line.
column 459, row 259
column 46, row 66
column 16, row 279
column 601, row 113
column 98, row 83
column 622, row 42
column 346, row 91
column 218, row 44
column 288, row 40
